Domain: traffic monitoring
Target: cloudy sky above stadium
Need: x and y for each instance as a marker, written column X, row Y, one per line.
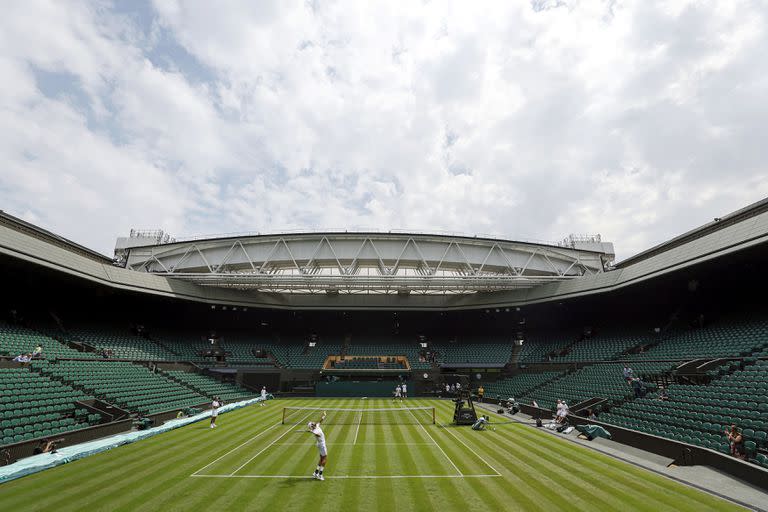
column 530, row 119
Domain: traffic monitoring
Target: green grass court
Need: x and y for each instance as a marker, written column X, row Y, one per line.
column 376, row 461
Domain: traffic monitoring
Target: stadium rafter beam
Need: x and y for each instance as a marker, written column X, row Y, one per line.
column 365, row 262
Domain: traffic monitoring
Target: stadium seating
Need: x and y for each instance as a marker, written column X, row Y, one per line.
column 122, row 344
column 127, row 385
column 375, row 345
column 729, row 337
column 367, row 364
column 519, row 385
column 605, row 344
column 698, row 414
column 209, row 386
column 599, row 380
column 15, row 340
column 468, row 350
column 35, row 406
column 538, row 345
column 185, row 345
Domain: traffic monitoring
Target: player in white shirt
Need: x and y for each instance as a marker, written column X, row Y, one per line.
column 405, row 391
column 398, row 392
column 263, row 395
column 317, row 431
column 215, row 410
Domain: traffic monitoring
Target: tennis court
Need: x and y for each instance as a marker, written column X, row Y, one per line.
column 381, row 440
column 377, row 461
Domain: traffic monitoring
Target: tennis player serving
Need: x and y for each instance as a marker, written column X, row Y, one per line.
column 314, row 428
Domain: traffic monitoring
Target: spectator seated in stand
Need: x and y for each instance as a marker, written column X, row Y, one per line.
column 627, row 373
column 22, row 358
column 45, row 446
column 736, row 442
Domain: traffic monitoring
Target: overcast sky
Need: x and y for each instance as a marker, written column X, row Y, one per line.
column 530, row 119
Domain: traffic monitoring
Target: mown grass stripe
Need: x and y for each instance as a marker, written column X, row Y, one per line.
column 539, row 471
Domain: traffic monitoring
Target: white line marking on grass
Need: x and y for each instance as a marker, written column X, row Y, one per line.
column 237, row 447
column 348, row 477
column 438, row 446
column 357, row 431
column 360, row 444
column 470, row 449
column 266, row 447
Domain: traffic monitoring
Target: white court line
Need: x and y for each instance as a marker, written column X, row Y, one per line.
column 438, row 446
column 270, row 444
column 237, row 447
column 357, row 431
column 359, row 444
column 348, row 477
column 470, row 449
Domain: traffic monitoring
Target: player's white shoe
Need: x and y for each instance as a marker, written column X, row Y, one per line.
column 320, row 477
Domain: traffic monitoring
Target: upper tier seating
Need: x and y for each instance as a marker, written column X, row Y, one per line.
column 185, row 344
column 35, row 406
column 367, row 364
column 468, row 350
column 376, row 345
column 17, row 340
column 605, row 345
column 122, row 344
column 292, row 352
column 127, row 385
column 538, row 345
column 519, row 385
column 728, row 337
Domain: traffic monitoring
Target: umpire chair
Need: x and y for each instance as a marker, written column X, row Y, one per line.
column 464, row 413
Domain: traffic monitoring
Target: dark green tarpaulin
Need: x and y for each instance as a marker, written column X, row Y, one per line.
column 593, row 431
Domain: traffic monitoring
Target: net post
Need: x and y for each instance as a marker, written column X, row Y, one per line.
column 433, row 415
column 283, row 421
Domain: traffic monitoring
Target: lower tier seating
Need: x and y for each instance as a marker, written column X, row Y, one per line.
column 35, row 406
column 600, row 380
column 698, row 414
column 126, row 385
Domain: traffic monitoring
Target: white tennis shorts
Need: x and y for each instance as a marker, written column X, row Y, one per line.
column 323, row 450
column 214, row 413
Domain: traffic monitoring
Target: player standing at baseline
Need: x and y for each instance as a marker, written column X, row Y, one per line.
column 315, row 429
column 215, row 410
column 405, row 391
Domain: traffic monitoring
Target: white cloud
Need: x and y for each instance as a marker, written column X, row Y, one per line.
column 638, row 120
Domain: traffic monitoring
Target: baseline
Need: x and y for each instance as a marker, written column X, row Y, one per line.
column 348, row 477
